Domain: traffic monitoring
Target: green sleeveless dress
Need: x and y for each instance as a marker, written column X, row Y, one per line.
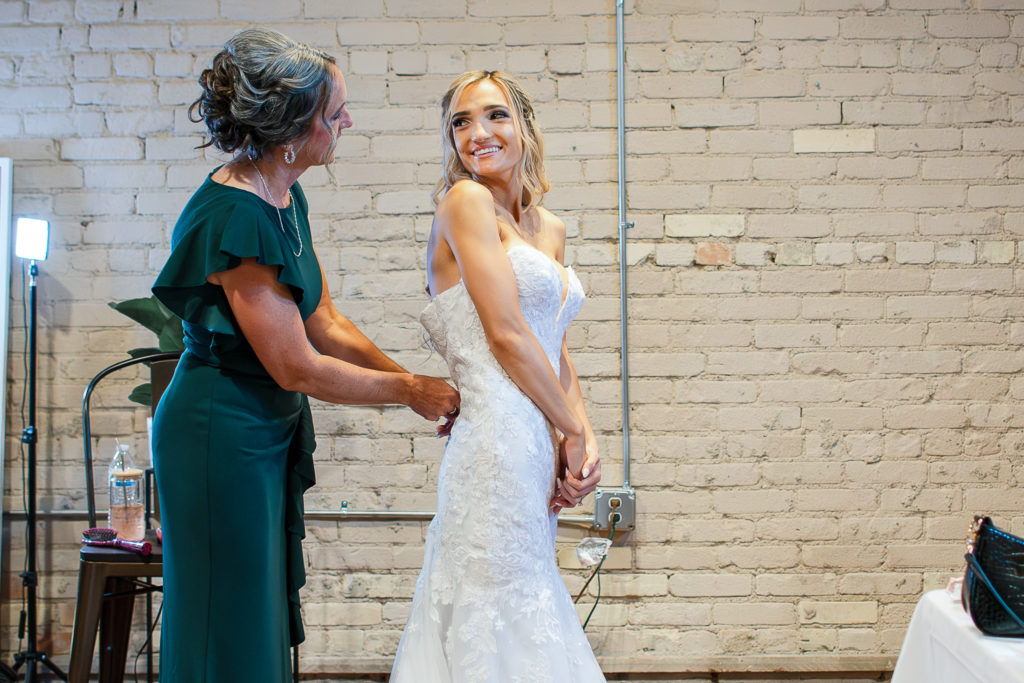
column 233, row 452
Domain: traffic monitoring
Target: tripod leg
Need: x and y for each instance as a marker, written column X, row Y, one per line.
column 54, row 668
column 7, row 674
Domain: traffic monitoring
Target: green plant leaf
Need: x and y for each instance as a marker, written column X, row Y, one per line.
column 143, row 351
column 172, row 336
column 154, row 316
column 142, row 394
column 147, row 311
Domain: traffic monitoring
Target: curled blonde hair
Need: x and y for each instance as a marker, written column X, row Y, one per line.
column 531, row 166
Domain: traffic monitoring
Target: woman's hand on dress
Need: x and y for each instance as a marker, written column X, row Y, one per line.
column 449, row 422
column 433, row 398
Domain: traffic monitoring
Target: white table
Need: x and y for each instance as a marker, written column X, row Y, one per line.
column 943, row 645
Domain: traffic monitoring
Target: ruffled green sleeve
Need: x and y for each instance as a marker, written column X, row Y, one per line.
column 218, row 228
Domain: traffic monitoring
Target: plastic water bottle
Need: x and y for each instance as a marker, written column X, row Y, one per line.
column 127, row 502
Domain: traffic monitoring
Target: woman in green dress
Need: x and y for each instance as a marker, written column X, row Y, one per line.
column 232, row 437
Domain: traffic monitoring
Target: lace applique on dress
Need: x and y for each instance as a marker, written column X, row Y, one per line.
column 490, row 605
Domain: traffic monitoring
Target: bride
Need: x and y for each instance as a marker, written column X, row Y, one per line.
column 490, row 605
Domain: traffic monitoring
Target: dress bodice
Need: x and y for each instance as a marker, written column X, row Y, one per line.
column 547, row 305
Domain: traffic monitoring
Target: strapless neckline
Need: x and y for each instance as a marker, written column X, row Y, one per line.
column 565, row 283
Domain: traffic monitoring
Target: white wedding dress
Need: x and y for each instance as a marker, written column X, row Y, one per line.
column 490, row 606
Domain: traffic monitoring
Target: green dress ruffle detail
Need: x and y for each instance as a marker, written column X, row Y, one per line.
column 219, row 226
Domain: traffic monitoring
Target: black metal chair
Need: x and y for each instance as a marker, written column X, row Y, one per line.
column 109, row 579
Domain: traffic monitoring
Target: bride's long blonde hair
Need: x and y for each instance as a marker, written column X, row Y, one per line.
column 531, row 166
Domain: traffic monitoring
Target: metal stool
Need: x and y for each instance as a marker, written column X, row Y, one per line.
column 108, row 578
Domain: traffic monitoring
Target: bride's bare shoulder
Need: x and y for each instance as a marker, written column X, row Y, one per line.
column 551, row 222
column 466, row 206
column 463, row 193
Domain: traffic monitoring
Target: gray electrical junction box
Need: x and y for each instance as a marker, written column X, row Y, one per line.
column 625, row 509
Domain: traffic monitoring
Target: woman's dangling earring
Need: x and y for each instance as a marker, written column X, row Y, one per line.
column 289, row 155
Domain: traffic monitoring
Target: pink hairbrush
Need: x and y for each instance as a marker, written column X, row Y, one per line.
column 108, row 537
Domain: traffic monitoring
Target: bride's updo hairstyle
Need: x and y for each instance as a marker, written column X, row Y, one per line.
column 531, row 167
column 262, row 90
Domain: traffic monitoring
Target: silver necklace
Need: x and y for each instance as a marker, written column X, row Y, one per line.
column 280, row 220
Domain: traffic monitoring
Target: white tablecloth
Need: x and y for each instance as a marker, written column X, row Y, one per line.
column 943, row 645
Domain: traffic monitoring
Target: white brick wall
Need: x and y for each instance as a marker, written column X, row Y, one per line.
column 824, row 289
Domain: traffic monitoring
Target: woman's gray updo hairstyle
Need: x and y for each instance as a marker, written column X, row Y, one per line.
column 263, row 89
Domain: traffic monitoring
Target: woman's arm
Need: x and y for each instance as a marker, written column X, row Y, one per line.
column 333, row 334
column 574, row 488
column 467, row 221
column 271, row 323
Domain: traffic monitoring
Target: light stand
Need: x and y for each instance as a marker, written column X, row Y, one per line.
column 31, row 243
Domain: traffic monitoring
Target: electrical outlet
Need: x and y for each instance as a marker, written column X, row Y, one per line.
column 625, row 509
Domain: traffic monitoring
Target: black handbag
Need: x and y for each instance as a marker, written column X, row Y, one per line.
column 993, row 590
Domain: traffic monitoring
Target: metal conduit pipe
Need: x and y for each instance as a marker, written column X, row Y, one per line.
column 319, row 515
column 620, row 98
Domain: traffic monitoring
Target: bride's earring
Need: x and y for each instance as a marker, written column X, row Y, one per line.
column 289, row 155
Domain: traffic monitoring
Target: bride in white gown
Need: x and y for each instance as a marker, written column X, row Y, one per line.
column 490, row 605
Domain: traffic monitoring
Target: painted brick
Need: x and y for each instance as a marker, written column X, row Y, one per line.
column 1000, row 82
column 680, row 86
column 932, row 84
column 796, row 169
column 714, row 115
column 968, row 26
column 799, row 28
column 784, row 226
column 765, row 197
column 101, row 148
column 972, row 280
column 786, row 114
column 382, row 33
column 848, row 85
column 926, row 196
column 114, row 94
column 764, row 85
column 865, row 168
column 716, row 281
column 976, row 110
column 545, row 32
column 794, row 254
column 834, row 254
column 706, row 168
column 833, row 141
column 883, row 113
column 750, row 142
column 713, row 29
column 955, row 252
column 882, row 27
column 792, row 336
column 994, row 139
column 838, row 612
column 746, row 363
column 871, row 252
column 704, row 225
column 839, row 196
column 983, row 167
